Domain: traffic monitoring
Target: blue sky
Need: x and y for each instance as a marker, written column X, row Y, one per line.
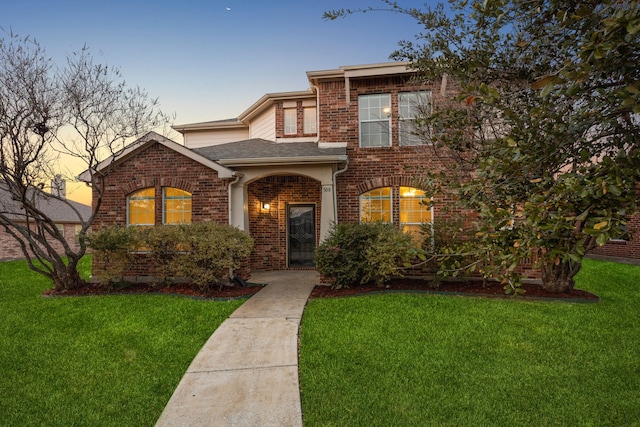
column 211, row 59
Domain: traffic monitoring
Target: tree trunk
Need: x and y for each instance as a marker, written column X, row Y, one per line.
column 558, row 276
column 67, row 277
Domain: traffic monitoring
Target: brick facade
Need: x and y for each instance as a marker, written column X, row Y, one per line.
column 369, row 168
column 269, row 228
column 623, row 248
column 158, row 166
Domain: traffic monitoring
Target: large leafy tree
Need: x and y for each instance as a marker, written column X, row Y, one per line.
column 544, row 128
column 81, row 109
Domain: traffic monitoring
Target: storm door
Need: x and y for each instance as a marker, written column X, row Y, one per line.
column 301, row 234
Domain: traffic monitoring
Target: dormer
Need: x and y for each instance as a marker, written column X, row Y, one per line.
column 278, row 117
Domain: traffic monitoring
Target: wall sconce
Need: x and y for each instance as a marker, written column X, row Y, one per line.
column 387, row 111
column 266, row 206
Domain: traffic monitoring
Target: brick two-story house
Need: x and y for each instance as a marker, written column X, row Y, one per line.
column 291, row 165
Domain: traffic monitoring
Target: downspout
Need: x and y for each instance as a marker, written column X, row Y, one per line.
column 335, row 188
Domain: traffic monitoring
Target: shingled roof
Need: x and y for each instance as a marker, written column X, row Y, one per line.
column 59, row 211
column 261, row 151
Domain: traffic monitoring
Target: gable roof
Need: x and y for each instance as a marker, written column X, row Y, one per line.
column 264, row 152
column 61, row 211
column 152, row 138
column 242, row 121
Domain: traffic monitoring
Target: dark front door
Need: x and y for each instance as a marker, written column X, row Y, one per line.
column 301, row 234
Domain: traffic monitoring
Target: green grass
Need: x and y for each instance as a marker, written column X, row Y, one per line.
column 417, row 360
column 94, row 361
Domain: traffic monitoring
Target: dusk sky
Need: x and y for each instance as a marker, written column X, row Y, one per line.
column 212, row 59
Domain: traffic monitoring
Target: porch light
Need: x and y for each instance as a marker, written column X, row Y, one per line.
column 266, row 206
column 387, row 111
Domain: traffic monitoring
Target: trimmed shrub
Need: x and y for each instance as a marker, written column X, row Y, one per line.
column 211, row 251
column 162, row 245
column 112, row 252
column 357, row 253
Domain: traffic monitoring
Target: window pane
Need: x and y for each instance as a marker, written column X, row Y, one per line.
column 374, row 112
column 310, row 120
column 177, row 206
column 410, row 106
column 375, row 205
column 413, row 211
column 290, row 122
column 141, row 207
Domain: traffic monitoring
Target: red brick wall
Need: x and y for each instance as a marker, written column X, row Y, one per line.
column 371, row 168
column 269, row 228
column 623, row 248
column 157, row 166
column 10, row 249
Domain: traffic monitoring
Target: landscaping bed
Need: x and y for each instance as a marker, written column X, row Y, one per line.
column 477, row 288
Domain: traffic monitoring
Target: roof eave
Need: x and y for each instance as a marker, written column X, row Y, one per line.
column 273, row 161
column 209, row 126
column 152, row 137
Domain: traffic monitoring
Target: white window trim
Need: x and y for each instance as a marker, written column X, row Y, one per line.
column 425, row 197
column 290, row 126
column 164, row 205
column 128, row 210
column 411, row 138
column 361, row 120
column 390, row 204
column 308, row 118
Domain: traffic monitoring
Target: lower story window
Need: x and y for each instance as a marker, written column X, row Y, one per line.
column 413, row 211
column 176, row 207
column 375, row 205
column 141, row 207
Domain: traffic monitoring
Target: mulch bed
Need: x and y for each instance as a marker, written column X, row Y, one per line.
column 475, row 288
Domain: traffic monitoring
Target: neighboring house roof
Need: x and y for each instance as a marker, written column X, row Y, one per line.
column 61, row 211
column 151, row 138
column 263, row 152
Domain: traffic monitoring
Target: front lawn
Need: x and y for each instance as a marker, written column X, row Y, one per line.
column 94, row 361
column 413, row 360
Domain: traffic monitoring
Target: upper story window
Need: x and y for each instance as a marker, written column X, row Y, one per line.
column 410, row 106
column 413, row 211
column 374, row 112
column 375, row 205
column 290, row 121
column 309, row 125
column 176, row 206
column 141, row 206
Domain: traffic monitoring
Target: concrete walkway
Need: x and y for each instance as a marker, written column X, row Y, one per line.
column 247, row 372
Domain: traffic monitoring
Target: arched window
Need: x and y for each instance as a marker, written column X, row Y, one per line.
column 176, row 206
column 413, row 211
column 375, row 205
column 141, row 207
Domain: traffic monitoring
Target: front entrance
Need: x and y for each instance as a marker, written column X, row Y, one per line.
column 301, row 235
